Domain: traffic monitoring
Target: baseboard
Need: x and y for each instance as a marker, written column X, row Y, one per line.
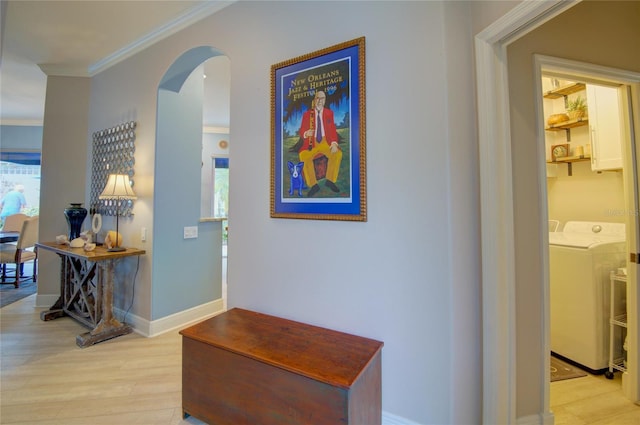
column 540, row 419
column 175, row 321
column 391, row 419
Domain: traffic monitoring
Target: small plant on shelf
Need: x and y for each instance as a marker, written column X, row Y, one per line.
column 577, row 108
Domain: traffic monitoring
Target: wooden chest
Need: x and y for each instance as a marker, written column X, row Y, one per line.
column 243, row 367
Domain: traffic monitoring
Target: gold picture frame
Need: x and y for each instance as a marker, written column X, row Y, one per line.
column 318, row 143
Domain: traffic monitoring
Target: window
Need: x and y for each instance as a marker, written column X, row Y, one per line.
column 220, row 186
column 22, row 168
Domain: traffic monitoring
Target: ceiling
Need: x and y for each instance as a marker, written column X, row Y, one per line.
column 83, row 38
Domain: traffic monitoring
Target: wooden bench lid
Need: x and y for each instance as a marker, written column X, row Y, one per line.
column 325, row 355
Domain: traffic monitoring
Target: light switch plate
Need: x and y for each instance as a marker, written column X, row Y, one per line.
column 191, row 232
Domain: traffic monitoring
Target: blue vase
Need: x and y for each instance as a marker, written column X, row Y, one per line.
column 75, row 215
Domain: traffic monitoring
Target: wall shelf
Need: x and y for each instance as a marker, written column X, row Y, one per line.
column 569, row 160
column 565, row 125
column 566, row 159
column 564, row 90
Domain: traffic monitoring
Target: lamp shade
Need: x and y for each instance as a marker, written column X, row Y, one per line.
column 118, row 187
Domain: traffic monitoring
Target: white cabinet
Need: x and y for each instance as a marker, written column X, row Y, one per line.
column 604, row 128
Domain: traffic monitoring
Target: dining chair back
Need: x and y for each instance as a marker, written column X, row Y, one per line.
column 24, row 250
column 13, row 222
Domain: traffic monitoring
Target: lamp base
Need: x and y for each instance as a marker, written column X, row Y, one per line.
column 117, row 249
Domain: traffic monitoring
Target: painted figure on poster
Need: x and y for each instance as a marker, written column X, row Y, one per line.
column 296, row 179
column 319, row 151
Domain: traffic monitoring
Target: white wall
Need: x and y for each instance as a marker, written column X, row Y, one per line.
column 410, row 275
column 387, row 278
column 464, row 265
column 586, row 195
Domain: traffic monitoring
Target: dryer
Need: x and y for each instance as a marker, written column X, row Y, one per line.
column 580, row 260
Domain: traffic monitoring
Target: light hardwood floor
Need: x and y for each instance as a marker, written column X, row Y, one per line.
column 46, row 379
column 594, row 400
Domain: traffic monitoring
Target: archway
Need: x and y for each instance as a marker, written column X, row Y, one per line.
column 187, row 264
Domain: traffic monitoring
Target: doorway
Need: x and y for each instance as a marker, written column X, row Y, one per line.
column 598, row 156
column 500, row 122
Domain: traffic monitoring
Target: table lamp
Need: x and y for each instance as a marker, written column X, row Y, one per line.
column 118, row 187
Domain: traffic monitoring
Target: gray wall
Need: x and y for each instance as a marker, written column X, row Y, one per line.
column 409, row 276
column 195, row 263
column 64, row 169
column 18, row 137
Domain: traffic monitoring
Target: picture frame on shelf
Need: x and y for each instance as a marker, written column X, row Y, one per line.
column 559, row 151
column 318, row 143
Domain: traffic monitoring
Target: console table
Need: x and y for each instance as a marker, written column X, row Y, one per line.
column 243, row 367
column 86, row 290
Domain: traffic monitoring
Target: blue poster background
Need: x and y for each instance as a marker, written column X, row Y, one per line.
column 335, row 73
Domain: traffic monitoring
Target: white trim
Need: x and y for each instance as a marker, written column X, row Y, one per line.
column 588, row 71
column 148, row 328
column 543, row 419
column 187, row 18
column 496, row 197
column 215, row 130
column 604, row 75
column 543, row 217
column 391, row 419
column 63, row 70
column 173, row 322
column 498, row 273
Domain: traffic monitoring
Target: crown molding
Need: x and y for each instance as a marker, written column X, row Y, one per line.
column 189, row 17
column 66, row 70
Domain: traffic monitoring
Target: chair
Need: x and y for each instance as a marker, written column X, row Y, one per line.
column 21, row 252
column 13, row 222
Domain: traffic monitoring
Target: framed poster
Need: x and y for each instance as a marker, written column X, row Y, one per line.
column 318, row 164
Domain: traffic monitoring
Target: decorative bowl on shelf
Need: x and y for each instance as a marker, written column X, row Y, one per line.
column 557, row 119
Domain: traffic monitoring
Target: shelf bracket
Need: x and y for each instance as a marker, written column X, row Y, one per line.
column 569, row 169
column 568, row 134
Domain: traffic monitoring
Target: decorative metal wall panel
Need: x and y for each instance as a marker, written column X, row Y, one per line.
column 113, row 153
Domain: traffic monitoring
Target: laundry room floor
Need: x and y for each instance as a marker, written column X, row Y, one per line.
column 593, row 400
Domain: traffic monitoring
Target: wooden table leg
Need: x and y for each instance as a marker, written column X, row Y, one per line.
column 57, row 309
column 108, row 327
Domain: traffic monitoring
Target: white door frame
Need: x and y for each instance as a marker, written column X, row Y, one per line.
column 496, row 196
column 498, row 261
column 629, row 81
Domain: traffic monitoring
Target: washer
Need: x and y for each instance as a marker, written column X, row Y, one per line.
column 580, row 259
